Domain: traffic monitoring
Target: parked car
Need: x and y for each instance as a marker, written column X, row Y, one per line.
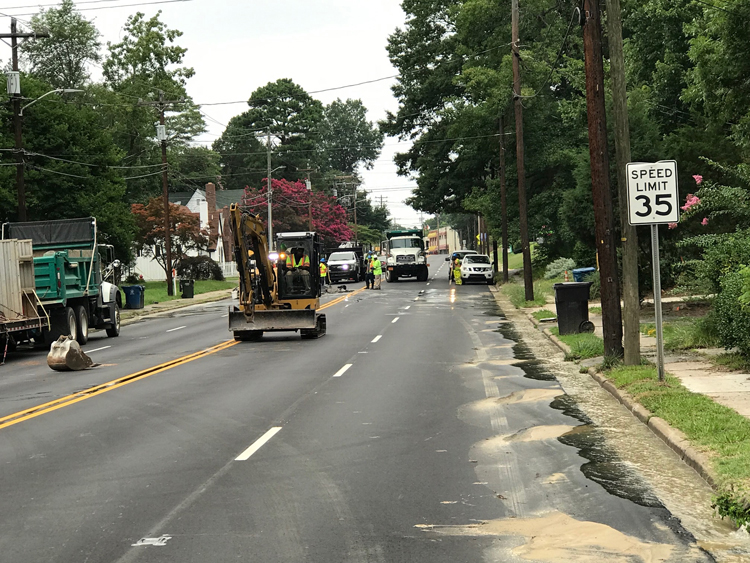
column 477, row 267
column 457, row 254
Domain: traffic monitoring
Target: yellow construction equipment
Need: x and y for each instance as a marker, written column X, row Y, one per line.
column 279, row 291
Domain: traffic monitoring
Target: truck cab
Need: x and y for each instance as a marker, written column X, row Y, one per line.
column 405, row 255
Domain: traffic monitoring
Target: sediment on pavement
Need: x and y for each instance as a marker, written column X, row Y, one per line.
column 732, row 499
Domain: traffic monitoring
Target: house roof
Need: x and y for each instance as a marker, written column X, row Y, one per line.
column 181, row 198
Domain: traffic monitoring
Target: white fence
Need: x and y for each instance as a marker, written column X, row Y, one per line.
column 152, row 271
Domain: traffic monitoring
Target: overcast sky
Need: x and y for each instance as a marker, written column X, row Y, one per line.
column 236, row 46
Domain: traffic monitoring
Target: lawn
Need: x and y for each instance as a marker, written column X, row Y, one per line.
column 582, row 346
column 516, row 293
column 719, row 429
column 543, row 314
column 156, row 291
column 685, row 334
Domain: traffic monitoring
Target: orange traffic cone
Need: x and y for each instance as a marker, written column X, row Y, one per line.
column 566, row 276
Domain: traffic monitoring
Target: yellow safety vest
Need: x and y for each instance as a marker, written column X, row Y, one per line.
column 290, row 261
column 323, row 270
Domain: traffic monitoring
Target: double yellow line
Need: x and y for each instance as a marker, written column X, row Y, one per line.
column 45, row 408
column 39, row 410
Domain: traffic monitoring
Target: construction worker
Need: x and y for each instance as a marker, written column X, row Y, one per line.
column 298, row 268
column 457, row 270
column 377, row 271
column 323, row 273
column 369, row 277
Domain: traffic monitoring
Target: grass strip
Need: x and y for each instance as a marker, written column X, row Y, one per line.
column 685, row 335
column 721, row 431
column 156, row 291
column 543, row 314
column 582, row 346
column 516, row 293
column 595, row 310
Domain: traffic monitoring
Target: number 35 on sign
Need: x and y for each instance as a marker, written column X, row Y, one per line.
column 653, row 195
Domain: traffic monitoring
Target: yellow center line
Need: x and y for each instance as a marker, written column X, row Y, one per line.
column 33, row 412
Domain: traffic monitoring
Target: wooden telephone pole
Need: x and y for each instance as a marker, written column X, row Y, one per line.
column 630, row 298
column 528, row 280
column 14, row 36
column 161, row 106
column 602, row 195
column 503, row 202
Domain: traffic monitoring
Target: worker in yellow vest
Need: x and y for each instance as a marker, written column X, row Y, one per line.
column 457, row 271
column 323, row 274
column 377, row 270
column 297, row 268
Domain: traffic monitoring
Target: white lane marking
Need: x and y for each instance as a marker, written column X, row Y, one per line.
column 416, row 298
column 225, row 315
column 178, row 328
column 158, row 542
column 97, row 349
column 407, row 307
column 244, row 456
column 378, row 337
column 395, row 320
column 345, row 306
column 342, row 370
column 428, row 283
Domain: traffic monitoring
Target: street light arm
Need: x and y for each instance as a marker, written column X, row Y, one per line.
column 55, row 91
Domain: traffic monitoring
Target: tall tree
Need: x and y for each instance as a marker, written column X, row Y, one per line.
column 62, row 59
column 140, row 68
column 347, row 138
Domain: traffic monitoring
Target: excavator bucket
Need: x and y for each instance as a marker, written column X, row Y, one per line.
column 66, row 355
column 278, row 319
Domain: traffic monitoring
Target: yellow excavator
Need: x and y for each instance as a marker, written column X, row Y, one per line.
column 279, row 291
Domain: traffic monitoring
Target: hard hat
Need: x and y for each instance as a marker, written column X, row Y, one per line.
column 322, row 259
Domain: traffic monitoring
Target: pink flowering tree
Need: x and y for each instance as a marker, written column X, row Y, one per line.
column 293, row 204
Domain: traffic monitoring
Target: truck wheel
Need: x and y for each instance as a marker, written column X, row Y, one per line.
column 423, row 275
column 82, row 324
column 114, row 330
column 248, row 335
column 62, row 323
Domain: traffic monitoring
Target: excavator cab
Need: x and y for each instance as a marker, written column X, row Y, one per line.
column 298, row 265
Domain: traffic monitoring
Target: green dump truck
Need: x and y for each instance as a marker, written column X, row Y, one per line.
column 70, row 292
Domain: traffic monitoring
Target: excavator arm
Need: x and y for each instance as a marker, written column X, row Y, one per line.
column 248, row 235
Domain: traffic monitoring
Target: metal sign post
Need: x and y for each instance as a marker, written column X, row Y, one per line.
column 653, row 199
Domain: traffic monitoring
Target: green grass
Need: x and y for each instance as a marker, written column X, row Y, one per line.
column 714, row 427
column 516, row 293
column 543, row 314
column 156, row 291
column 595, row 310
column 515, row 261
column 685, row 334
column 582, row 346
column 732, row 360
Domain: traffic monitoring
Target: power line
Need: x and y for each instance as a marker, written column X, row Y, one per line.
column 57, row 4
column 109, row 7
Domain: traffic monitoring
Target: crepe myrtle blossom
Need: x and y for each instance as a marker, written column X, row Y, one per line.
column 690, row 201
column 672, row 225
column 698, row 179
column 705, row 221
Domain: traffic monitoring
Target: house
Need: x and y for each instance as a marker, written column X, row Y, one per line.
column 212, row 207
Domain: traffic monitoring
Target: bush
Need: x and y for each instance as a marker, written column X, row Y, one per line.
column 200, row 268
column 596, row 285
column 732, row 319
column 132, row 278
column 558, row 267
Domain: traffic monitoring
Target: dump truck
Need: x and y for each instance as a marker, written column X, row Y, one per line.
column 70, row 293
column 275, row 294
column 405, row 255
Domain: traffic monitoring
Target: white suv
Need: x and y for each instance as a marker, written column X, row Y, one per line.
column 477, row 267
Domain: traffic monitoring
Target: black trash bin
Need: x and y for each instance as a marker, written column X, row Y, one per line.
column 135, row 296
column 572, row 302
column 187, row 287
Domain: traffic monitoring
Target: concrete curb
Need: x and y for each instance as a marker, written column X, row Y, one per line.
column 168, row 307
column 672, row 437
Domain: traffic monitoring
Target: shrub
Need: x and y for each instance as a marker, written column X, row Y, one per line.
column 596, row 285
column 558, row 267
column 732, row 319
column 200, row 268
column 132, row 278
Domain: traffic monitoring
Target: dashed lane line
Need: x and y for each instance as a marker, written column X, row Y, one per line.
column 178, row 328
column 342, row 370
column 395, row 320
column 258, row 444
column 97, row 349
column 378, row 337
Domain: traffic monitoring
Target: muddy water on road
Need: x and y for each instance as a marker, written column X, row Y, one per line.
column 623, row 457
column 579, row 478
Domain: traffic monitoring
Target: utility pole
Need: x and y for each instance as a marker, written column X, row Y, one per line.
column 528, row 281
column 269, row 192
column 161, row 134
column 356, row 233
column 602, row 195
column 14, row 36
column 631, row 312
column 503, row 203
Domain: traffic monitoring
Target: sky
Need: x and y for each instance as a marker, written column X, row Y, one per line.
column 236, row 46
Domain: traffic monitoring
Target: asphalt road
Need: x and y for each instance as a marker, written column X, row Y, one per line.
column 416, row 430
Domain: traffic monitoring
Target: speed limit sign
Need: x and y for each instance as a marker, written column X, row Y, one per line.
column 653, row 196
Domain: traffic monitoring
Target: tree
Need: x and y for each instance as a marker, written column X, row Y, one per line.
column 190, row 167
column 347, row 138
column 62, row 60
column 71, row 167
column 186, row 234
column 142, row 66
column 291, row 210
